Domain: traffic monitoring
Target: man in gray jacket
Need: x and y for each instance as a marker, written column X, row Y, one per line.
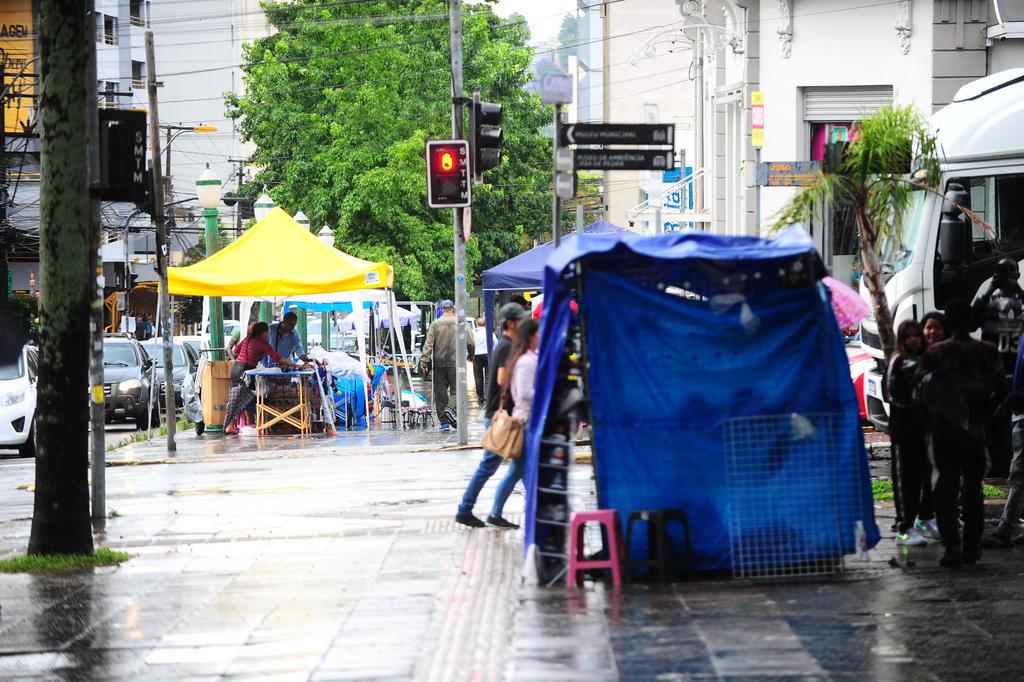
column 439, row 350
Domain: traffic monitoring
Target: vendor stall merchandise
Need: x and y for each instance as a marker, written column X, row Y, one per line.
column 278, row 258
column 718, row 394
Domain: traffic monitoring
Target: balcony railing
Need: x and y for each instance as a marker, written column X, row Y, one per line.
column 138, row 84
column 108, row 38
column 138, row 21
column 104, row 104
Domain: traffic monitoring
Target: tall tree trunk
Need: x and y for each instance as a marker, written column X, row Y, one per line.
column 60, row 521
column 874, row 280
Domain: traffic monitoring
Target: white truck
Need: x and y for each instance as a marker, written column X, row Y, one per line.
column 981, row 138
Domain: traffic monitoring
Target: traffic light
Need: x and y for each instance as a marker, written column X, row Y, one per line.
column 122, row 152
column 485, row 122
column 448, row 174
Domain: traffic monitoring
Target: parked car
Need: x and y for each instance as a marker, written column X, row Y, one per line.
column 127, row 378
column 184, row 362
column 18, row 403
column 196, row 343
column 230, row 327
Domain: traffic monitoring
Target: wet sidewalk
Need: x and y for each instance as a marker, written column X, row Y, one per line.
column 341, row 560
column 329, row 562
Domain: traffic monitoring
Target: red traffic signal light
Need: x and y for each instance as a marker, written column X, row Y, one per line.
column 448, row 174
column 447, row 161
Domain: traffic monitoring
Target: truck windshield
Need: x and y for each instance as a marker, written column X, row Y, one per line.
column 897, row 251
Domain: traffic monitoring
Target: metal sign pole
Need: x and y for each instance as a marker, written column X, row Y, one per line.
column 556, row 203
column 461, row 396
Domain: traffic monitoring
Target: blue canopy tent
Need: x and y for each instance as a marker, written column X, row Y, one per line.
column 718, row 384
column 526, row 271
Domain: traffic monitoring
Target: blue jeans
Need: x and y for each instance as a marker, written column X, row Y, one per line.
column 488, row 465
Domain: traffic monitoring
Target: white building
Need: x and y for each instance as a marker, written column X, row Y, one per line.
column 198, row 59
column 645, row 65
column 121, row 52
column 821, row 65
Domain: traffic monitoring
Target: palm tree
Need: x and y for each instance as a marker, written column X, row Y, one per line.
column 873, row 178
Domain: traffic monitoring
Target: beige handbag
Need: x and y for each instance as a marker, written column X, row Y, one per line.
column 505, row 436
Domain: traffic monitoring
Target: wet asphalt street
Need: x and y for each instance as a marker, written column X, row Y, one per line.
column 340, row 560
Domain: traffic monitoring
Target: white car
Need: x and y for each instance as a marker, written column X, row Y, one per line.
column 18, row 403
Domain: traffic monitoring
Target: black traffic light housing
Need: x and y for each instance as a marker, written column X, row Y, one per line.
column 245, row 206
column 485, row 124
column 448, row 183
column 122, row 152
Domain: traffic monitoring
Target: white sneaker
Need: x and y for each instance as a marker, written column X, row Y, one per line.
column 928, row 529
column 910, row 538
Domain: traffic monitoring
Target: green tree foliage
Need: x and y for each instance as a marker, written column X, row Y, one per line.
column 340, row 101
column 873, row 179
column 26, row 309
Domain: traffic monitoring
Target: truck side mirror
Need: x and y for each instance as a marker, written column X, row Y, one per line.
column 954, row 234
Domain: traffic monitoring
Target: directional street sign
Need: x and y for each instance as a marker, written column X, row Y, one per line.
column 617, row 133
column 624, row 159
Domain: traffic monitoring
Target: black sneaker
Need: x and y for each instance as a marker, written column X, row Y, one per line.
column 469, row 520
column 499, row 522
column 970, row 558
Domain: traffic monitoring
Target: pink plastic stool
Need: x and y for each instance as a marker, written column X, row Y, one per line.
column 609, row 518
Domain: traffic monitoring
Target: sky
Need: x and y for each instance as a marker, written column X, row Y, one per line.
column 544, row 16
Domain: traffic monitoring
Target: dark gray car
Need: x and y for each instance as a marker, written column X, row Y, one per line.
column 127, row 378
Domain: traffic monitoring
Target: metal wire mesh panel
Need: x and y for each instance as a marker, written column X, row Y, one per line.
column 784, row 508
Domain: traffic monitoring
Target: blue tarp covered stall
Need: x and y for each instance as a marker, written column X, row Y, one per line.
column 526, row 271
column 718, row 384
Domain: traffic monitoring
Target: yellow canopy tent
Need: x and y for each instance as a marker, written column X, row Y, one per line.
column 277, row 257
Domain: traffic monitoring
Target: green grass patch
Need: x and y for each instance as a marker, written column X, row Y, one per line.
column 61, row 563
column 993, row 491
column 139, row 436
column 882, row 490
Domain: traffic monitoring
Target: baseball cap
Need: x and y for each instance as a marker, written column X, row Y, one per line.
column 511, row 311
column 447, row 304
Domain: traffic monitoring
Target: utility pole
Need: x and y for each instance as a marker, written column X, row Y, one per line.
column 461, row 397
column 556, row 203
column 5, row 232
column 168, row 181
column 60, row 518
column 698, row 126
column 162, row 252
column 97, row 427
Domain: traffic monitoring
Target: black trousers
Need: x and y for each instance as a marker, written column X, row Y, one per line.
column 444, row 385
column 958, row 467
column 912, row 486
column 480, row 368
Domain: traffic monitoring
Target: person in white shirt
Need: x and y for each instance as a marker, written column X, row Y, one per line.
column 480, row 364
column 522, row 370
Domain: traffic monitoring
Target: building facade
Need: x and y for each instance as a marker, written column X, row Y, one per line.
column 199, row 58
column 640, row 77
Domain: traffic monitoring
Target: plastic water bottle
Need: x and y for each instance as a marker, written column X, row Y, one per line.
column 862, row 541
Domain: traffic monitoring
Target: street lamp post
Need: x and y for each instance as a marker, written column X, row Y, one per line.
column 261, row 209
column 173, row 132
column 208, row 189
column 325, row 235
column 301, row 323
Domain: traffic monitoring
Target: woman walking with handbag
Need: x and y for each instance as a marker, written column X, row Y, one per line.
column 505, row 433
column 522, row 369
